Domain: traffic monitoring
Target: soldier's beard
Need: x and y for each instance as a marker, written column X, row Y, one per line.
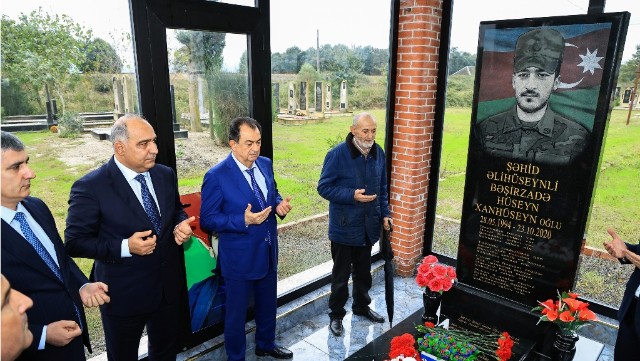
column 530, row 102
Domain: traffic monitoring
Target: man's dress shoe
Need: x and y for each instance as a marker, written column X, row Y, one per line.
column 336, row 326
column 278, row 352
column 371, row 315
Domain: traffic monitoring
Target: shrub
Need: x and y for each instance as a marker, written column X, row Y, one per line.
column 15, row 101
column 230, row 99
column 102, row 83
column 70, row 125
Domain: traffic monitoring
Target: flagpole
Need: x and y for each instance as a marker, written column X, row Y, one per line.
column 634, row 93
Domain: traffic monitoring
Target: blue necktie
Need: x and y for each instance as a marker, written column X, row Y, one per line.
column 258, row 193
column 256, row 189
column 149, row 205
column 42, row 252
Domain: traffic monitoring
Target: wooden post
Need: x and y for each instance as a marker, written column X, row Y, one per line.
column 634, row 93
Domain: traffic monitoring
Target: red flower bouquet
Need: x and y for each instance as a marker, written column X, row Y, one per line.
column 435, row 276
column 403, row 347
column 567, row 312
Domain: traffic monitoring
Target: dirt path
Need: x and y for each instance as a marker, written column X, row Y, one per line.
column 195, row 154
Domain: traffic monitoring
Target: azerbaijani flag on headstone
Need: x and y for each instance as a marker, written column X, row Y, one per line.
column 580, row 74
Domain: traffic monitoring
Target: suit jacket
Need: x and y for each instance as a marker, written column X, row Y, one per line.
column 632, row 286
column 244, row 253
column 104, row 210
column 28, row 273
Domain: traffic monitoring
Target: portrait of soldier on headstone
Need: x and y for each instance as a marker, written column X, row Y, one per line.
column 531, row 130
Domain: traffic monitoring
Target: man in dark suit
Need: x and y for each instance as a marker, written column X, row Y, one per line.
column 248, row 241
column 34, row 259
column 127, row 216
column 629, row 313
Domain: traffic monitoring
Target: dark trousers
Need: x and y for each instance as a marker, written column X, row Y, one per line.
column 122, row 333
column 627, row 343
column 238, row 293
column 354, row 261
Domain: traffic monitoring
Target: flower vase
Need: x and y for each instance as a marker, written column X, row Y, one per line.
column 564, row 346
column 431, row 301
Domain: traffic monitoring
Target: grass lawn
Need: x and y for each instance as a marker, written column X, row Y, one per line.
column 298, row 153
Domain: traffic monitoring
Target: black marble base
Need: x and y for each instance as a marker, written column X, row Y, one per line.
column 378, row 349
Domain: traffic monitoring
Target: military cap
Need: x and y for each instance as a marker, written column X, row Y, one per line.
column 541, row 48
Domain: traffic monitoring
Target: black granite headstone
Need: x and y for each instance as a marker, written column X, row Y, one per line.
column 529, row 179
column 303, row 95
column 318, row 97
column 627, row 96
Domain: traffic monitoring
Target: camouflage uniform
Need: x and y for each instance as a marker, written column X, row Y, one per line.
column 553, row 140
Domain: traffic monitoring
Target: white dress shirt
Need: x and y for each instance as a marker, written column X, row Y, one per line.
column 262, row 182
column 130, row 176
column 8, row 215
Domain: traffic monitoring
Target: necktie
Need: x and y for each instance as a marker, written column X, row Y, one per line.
column 256, row 189
column 149, row 204
column 42, row 252
column 258, row 193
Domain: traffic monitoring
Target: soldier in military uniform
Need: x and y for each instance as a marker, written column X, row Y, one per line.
column 530, row 130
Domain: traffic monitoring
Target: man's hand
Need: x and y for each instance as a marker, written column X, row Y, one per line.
column 183, row 230
column 255, row 218
column 94, row 294
column 142, row 243
column 359, row 196
column 386, row 223
column 60, row 333
column 632, row 257
column 284, row 207
column 616, row 247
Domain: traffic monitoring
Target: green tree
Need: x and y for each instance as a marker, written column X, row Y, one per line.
column 204, row 55
column 459, row 59
column 41, row 49
column 628, row 70
column 101, row 57
column 244, row 63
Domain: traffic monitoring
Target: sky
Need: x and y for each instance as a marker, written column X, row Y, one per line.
column 349, row 22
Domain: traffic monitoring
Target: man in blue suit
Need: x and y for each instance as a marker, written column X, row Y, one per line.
column 127, row 216
column 34, row 259
column 240, row 201
column 629, row 313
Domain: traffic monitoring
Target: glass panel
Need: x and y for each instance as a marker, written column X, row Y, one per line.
column 617, row 192
column 208, row 74
column 85, row 72
column 324, row 71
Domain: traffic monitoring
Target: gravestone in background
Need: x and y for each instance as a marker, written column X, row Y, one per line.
column 291, row 100
column 344, row 105
column 327, row 106
column 275, row 90
column 627, row 96
column 526, row 206
column 319, row 96
column 304, row 97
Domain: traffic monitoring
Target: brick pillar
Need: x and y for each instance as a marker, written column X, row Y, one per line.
column 416, row 81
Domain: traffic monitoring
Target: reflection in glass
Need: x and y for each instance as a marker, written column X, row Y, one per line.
column 208, row 74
